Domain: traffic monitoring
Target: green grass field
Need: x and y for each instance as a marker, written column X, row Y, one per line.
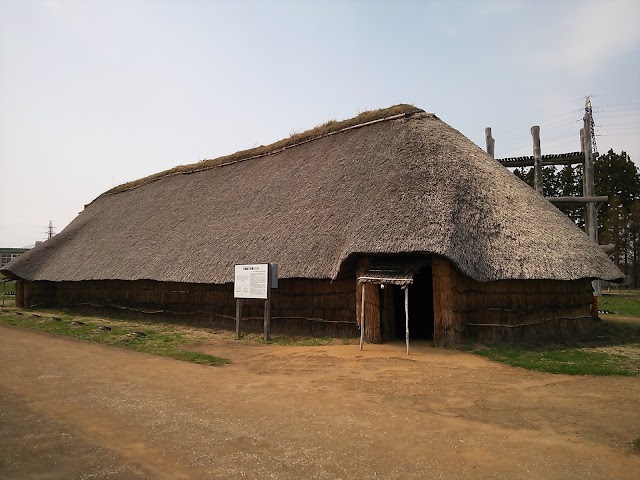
column 154, row 338
column 625, row 302
column 613, row 348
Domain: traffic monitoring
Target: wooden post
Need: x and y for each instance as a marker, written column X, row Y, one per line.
column 406, row 315
column 267, row 308
column 490, row 141
column 238, row 317
column 537, row 159
column 362, row 319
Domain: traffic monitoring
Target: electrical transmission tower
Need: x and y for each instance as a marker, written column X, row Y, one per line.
column 50, row 232
column 589, row 109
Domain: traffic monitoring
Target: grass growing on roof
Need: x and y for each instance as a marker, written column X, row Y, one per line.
column 327, row 128
column 146, row 337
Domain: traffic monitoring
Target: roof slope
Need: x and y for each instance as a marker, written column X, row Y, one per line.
column 407, row 184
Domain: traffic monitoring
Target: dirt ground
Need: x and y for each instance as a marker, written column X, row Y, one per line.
column 71, row 409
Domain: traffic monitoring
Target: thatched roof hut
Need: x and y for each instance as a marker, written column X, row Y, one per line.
column 393, row 183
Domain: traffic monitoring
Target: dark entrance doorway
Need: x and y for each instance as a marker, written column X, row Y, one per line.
column 420, row 307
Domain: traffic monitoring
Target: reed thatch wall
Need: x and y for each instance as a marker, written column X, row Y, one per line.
column 507, row 310
column 298, row 306
column 463, row 309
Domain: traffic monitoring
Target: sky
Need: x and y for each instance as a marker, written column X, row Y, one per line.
column 96, row 93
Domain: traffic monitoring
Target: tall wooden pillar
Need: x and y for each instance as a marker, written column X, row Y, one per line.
column 372, row 332
column 537, row 159
column 490, row 141
column 449, row 321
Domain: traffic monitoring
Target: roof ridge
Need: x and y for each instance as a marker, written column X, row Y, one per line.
column 327, row 129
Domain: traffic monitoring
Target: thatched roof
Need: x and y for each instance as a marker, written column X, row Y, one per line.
column 404, row 182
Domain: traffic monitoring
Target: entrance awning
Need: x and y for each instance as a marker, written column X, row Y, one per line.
column 391, row 275
column 401, row 275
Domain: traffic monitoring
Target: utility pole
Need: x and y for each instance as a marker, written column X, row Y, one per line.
column 588, row 189
column 50, row 232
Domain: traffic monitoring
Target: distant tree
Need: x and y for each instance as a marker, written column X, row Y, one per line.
column 616, row 176
column 618, row 221
column 524, row 174
column 550, row 181
column 570, row 185
column 634, row 243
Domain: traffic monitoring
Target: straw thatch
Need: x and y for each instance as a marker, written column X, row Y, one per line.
column 409, row 183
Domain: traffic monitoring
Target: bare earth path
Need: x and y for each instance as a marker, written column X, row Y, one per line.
column 71, row 409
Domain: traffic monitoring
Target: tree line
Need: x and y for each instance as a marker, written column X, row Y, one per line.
column 618, row 220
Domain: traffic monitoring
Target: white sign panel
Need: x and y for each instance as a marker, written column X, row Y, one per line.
column 251, row 281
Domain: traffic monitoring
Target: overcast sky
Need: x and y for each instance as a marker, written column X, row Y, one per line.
column 96, row 93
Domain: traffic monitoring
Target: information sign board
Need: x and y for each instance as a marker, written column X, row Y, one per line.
column 251, row 281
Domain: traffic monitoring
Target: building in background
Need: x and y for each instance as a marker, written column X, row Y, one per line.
column 8, row 254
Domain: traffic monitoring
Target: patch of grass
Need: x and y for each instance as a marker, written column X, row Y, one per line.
column 567, row 361
column 622, row 303
column 153, row 338
column 286, row 340
column 611, row 349
column 636, row 444
column 300, row 341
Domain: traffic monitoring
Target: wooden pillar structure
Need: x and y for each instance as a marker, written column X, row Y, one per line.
column 537, row 160
column 588, row 198
column 490, row 141
column 368, row 307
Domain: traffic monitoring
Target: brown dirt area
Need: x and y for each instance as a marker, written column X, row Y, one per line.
column 77, row 410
